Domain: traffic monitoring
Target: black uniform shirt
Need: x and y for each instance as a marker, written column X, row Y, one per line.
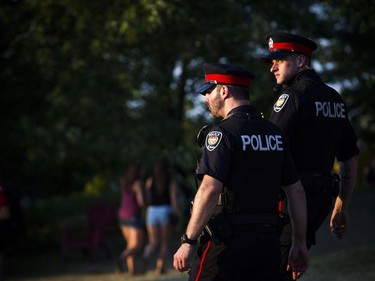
column 315, row 120
column 249, row 155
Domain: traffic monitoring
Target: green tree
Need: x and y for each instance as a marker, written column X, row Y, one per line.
column 351, row 54
column 89, row 86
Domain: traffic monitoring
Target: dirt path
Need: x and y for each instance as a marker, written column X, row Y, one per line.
column 349, row 259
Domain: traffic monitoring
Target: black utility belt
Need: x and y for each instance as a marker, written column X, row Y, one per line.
column 253, row 223
column 255, row 228
column 222, row 226
column 317, row 181
column 244, row 219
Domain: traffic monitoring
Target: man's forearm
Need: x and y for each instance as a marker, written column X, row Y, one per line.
column 297, row 210
column 348, row 173
column 204, row 206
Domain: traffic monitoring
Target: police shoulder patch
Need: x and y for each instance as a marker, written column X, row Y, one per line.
column 213, row 139
column 279, row 104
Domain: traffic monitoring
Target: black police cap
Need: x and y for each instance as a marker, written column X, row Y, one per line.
column 226, row 74
column 282, row 44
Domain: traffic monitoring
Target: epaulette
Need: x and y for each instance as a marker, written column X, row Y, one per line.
column 201, row 136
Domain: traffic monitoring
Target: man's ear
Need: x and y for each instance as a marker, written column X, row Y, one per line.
column 225, row 91
column 301, row 61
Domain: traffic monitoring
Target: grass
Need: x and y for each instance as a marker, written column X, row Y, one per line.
column 350, row 259
column 346, row 265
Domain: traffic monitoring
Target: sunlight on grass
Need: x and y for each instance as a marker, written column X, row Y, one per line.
column 346, row 265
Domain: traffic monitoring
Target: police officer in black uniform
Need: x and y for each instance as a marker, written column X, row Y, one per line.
column 245, row 160
column 315, row 120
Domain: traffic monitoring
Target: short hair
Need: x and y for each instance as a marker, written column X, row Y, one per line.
column 307, row 59
column 240, row 93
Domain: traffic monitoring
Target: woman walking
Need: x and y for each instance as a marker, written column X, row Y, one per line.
column 161, row 192
column 129, row 215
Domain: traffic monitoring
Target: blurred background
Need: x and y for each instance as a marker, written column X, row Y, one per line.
column 88, row 87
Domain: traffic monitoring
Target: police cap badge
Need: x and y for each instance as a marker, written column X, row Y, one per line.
column 281, row 44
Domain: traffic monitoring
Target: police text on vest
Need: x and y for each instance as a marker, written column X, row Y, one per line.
column 330, row 110
column 262, row 142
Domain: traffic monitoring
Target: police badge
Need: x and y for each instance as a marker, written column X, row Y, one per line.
column 279, row 104
column 213, row 139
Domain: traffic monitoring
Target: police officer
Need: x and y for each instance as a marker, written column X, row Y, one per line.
column 315, row 119
column 244, row 161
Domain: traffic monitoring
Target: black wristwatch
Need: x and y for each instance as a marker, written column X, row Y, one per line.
column 185, row 239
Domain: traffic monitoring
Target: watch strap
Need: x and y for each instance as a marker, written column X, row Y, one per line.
column 185, row 239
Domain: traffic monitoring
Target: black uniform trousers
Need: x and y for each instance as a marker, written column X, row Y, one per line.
column 319, row 205
column 244, row 257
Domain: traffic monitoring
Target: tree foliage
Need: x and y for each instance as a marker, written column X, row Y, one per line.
column 89, row 86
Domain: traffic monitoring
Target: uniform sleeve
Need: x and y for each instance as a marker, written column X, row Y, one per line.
column 347, row 147
column 284, row 113
column 216, row 158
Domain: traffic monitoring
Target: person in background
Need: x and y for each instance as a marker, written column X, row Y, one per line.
column 245, row 160
column 162, row 199
column 130, row 216
column 315, row 120
column 370, row 173
column 5, row 216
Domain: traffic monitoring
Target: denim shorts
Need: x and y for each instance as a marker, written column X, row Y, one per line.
column 158, row 215
column 135, row 222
